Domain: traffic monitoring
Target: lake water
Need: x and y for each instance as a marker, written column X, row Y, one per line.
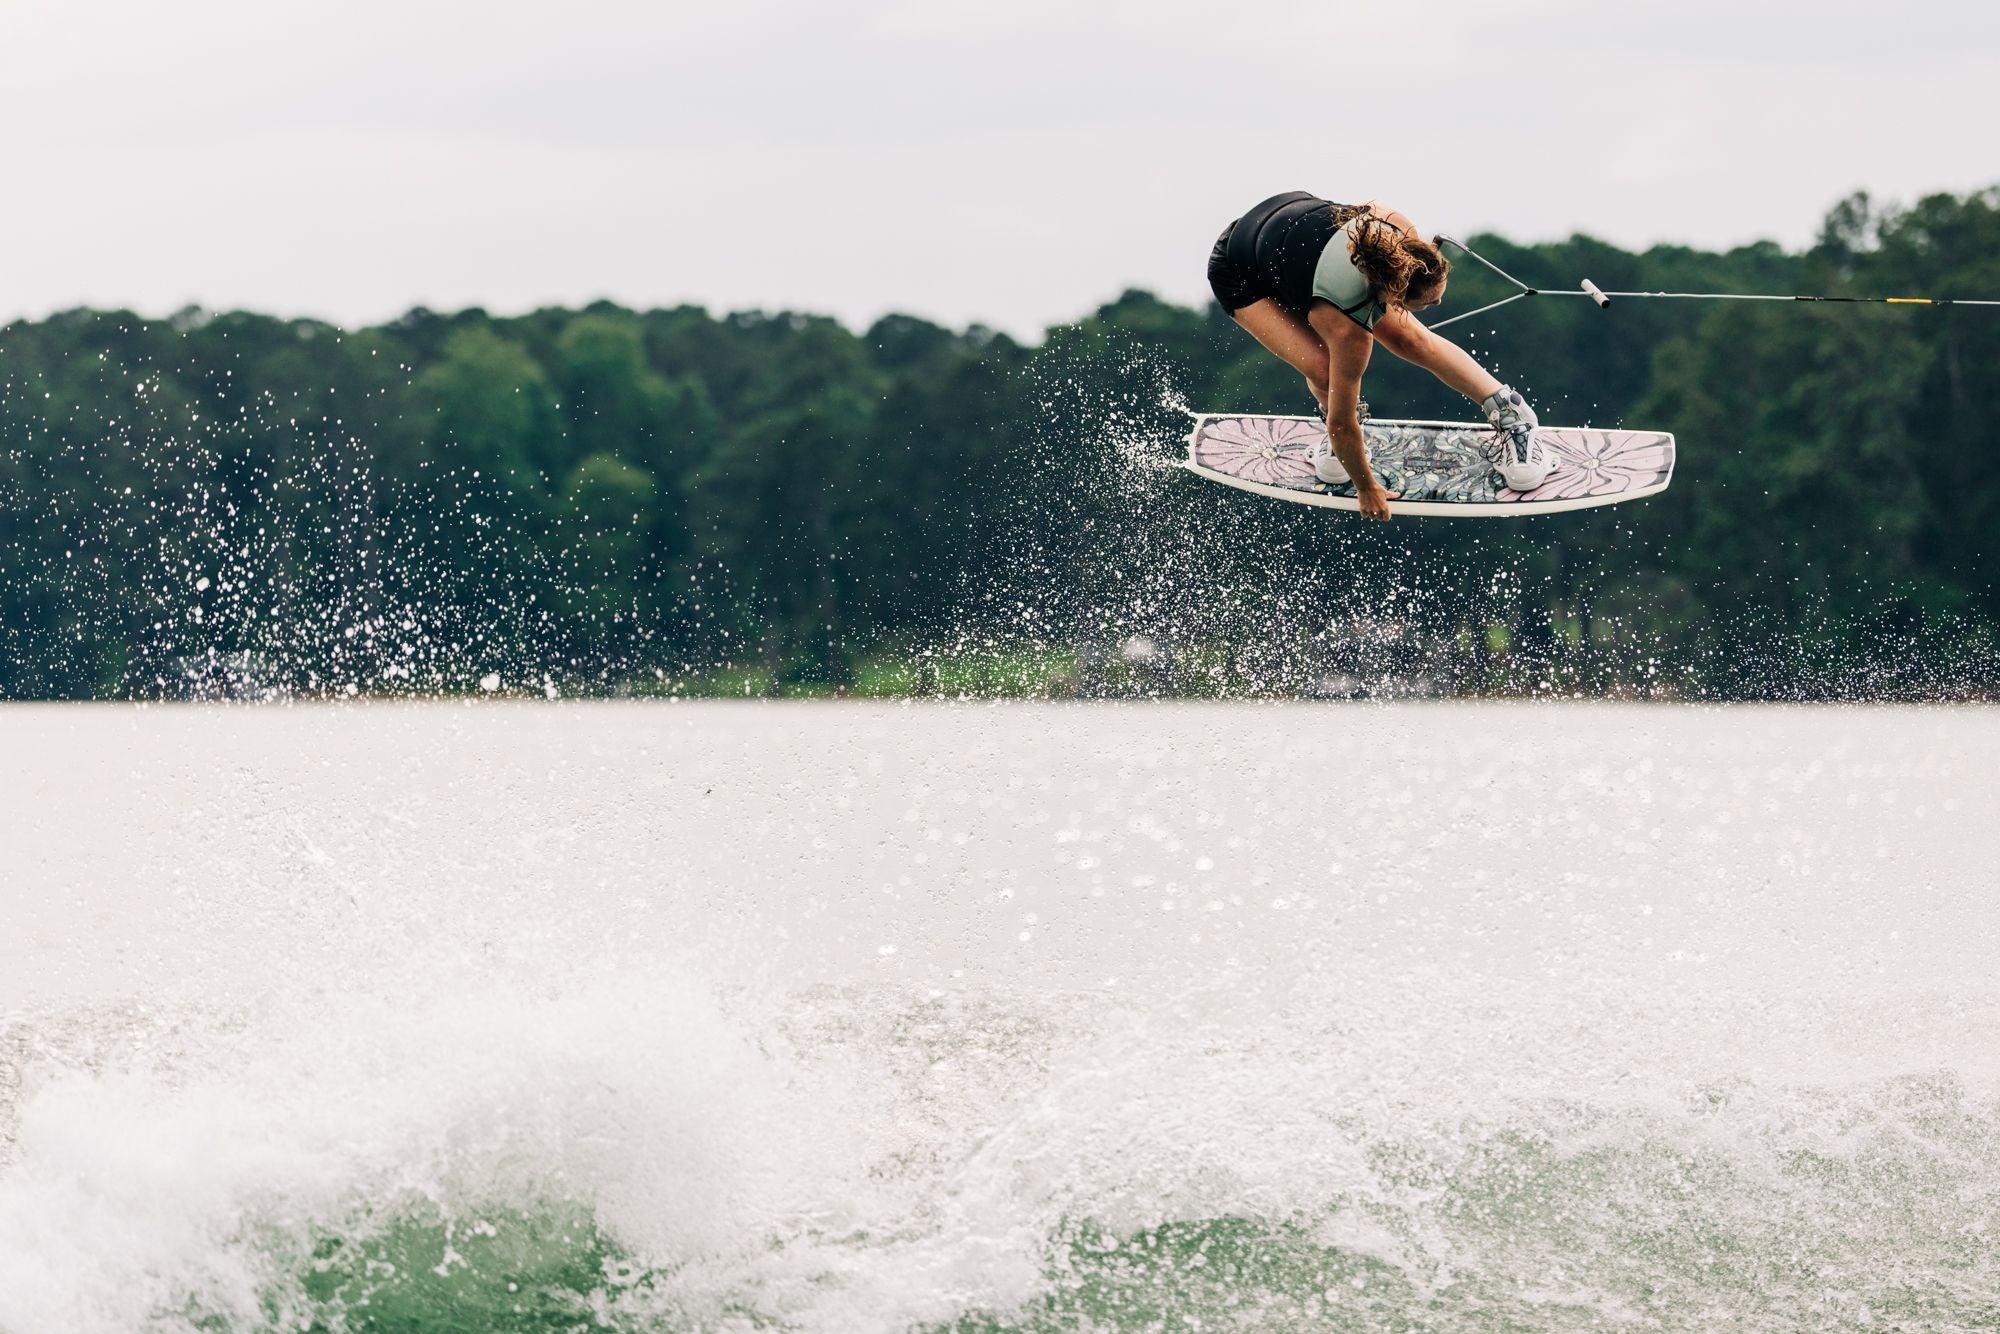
column 1010, row 1017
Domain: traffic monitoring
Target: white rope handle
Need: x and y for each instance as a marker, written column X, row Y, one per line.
column 1603, row 298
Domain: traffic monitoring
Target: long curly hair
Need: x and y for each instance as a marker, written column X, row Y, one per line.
column 1400, row 268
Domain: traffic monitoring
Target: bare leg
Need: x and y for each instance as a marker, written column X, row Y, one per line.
column 1400, row 332
column 1290, row 339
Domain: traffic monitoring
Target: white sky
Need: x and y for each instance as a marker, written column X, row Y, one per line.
column 1010, row 161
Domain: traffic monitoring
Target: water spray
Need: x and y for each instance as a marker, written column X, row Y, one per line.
column 1603, row 298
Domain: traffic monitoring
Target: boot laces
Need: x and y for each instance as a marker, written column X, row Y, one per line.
column 1520, row 439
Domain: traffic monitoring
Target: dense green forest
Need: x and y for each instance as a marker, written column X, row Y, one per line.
column 671, row 501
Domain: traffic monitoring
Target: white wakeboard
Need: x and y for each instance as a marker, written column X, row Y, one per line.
column 1441, row 468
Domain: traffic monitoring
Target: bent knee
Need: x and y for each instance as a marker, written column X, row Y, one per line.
column 1406, row 338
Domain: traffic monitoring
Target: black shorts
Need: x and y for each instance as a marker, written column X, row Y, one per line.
column 1273, row 251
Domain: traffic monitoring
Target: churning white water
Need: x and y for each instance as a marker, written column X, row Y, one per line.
column 1050, row 1017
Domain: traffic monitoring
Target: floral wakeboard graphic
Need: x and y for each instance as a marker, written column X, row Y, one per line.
column 1441, row 468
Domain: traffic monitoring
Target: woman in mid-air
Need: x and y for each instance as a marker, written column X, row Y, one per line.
column 1319, row 284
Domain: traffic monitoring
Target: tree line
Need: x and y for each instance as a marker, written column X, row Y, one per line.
column 607, row 500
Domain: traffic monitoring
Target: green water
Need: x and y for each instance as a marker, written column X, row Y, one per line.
column 1585, row 1222
column 530, row 1273
column 967, row 1021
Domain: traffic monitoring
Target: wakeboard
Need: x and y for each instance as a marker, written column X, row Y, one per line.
column 1441, row 468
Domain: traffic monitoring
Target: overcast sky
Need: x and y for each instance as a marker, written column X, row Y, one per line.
column 1015, row 162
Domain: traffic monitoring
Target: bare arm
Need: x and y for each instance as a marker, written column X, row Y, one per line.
column 1348, row 346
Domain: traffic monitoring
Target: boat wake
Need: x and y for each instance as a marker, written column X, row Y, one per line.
column 639, row 1149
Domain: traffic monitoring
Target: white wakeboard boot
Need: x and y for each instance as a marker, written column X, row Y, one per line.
column 1525, row 461
column 1326, row 464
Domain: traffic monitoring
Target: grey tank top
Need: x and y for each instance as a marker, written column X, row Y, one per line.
column 1337, row 280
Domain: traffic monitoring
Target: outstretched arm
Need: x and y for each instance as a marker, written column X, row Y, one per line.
column 1348, row 346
